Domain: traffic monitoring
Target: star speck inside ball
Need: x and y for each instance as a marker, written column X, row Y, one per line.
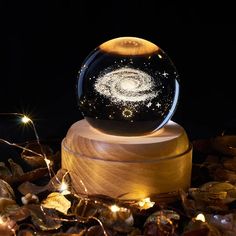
column 127, row 86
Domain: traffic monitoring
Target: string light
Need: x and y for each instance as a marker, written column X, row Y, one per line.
column 25, row 119
column 114, row 208
column 64, row 187
column 7, row 225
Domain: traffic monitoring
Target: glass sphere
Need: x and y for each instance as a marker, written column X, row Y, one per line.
column 127, row 86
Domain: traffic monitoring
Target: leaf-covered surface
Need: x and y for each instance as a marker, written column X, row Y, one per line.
column 32, row 202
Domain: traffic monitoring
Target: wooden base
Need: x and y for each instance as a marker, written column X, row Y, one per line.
column 137, row 167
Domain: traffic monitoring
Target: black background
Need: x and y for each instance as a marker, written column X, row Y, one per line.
column 43, row 44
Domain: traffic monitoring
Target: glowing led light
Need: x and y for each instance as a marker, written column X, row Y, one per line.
column 127, row 113
column 200, row 217
column 2, row 221
column 5, row 222
column 114, row 208
column 48, row 163
column 129, row 46
column 25, row 119
column 64, row 188
column 146, row 203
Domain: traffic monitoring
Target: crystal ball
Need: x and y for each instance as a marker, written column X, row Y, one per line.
column 127, row 86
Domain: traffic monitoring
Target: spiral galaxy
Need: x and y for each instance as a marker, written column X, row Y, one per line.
column 126, row 85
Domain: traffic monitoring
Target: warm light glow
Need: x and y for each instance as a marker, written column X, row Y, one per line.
column 129, row 46
column 1, row 220
column 200, row 217
column 146, row 203
column 25, row 119
column 64, row 188
column 127, row 113
column 47, row 161
column 114, row 208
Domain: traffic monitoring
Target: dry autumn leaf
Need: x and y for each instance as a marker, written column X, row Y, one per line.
column 58, row 202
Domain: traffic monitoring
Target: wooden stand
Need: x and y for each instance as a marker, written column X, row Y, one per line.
column 137, row 167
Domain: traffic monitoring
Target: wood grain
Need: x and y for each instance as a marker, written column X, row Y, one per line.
column 136, row 166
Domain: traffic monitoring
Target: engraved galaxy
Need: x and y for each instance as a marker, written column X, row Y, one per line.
column 126, row 85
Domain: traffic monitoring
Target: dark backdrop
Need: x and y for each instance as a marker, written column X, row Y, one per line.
column 45, row 42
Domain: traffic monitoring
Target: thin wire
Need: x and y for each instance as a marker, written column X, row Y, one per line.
column 21, row 147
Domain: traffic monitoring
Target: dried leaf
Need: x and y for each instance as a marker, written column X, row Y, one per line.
column 6, row 204
column 82, row 233
column 31, row 175
column 15, row 168
column 225, row 145
column 86, row 208
column 197, row 232
column 135, row 232
column 7, row 226
column 98, row 231
column 188, row 204
column 223, row 222
column 28, row 187
column 4, row 171
column 53, row 185
column 6, row 190
column 76, row 229
column 19, row 213
column 229, row 163
column 58, row 202
column 221, row 174
column 197, row 227
column 202, row 145
column 164, row 220
column 25, row 233
column 121, row 220
column 33, row 160
column 42, row 220
column 164, row 216
column 215, row 191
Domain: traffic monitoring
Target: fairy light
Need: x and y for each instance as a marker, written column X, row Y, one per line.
column 200, row 217
column 2, row 221
column 6, row 224
column 25, row 119
column 63, row 187
column 145, row 203
column 48, row 162
column 114, row 208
